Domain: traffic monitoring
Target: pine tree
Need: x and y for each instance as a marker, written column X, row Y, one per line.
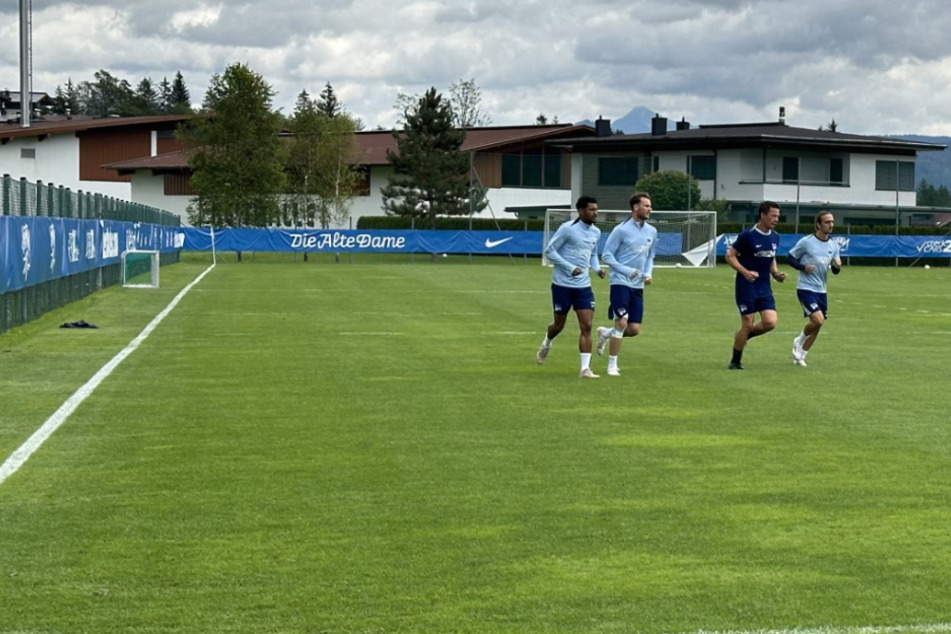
column 431, row 173
column 328, row 105
column 146, row 100
column 165, row 95
column 180, row 100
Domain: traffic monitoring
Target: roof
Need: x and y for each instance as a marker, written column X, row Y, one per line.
column 61, row 124
column 747, row 135
column 170, row 162
column 372, row 146
column 13, row 96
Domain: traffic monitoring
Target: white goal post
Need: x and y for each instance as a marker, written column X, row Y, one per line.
column 684, row 238
column 140, row 269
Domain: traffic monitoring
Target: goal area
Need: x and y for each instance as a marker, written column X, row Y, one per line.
column 684, row 238
column 140, row 269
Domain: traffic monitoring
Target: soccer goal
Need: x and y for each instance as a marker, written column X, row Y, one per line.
column 140, row 269
column 684, row 238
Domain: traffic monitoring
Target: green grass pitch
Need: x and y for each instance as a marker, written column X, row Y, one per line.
column 371, row 448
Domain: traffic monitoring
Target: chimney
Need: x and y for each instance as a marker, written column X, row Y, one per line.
column 683, row 124
column 782, row 114
column 602, row 127
column 659, row 125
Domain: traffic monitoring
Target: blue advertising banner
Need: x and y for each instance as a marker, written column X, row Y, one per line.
column 36, row 249
column 509, row 242
column 358, row 241
column 873, row 246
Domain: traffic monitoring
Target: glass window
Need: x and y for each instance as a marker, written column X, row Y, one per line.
column 620, row 171
column 531, row 170
column 703, row 168
column 511, row 170
column 836, row 171
column 553, row 169
column 790, row 169
column 887, row 171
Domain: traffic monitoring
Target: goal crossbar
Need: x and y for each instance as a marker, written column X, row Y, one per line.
column 684, row 238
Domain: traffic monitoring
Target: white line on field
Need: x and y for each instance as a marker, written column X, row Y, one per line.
column 931, row 628
column 34, row 442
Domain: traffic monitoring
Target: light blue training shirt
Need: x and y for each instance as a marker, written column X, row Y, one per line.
column 630, row 246
column 574, row 245
column 818, row 253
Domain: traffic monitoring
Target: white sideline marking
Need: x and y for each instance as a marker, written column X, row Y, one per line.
column 34, row 442
column 932, row 628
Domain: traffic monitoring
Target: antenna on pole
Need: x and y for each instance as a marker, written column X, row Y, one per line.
column 26, row 63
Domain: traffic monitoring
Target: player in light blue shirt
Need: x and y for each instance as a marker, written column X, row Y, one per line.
column 814, row 256
column 629, row 252
column 573, row 250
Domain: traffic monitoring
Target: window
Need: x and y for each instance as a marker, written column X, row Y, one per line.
column 836, row 171
column 531, row 169
column 703, row 168
column 27, row 153
column 620, row 171
column 511, row 170
column 553, row 169
column 885, row 173
column 790, row 169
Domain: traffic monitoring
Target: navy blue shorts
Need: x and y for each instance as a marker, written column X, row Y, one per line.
column 812, row 301
column 753, row 298
column 626, row 303
column 564, row 298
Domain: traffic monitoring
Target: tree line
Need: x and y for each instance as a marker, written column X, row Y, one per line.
column 253, row 167
column 109, row 95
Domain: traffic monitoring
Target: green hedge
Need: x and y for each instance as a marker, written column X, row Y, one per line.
column 514, row 224
column 878, row 230
column 450, row 224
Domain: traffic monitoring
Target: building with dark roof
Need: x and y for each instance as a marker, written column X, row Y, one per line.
column 861, row 178
column 513, row 162
column 70, row 151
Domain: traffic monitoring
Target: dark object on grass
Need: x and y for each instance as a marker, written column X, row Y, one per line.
column 82, row 323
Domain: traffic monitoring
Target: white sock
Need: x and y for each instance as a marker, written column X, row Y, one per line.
column 585, row 360
column 612, row 361
column 801, row 339
column 546, row 343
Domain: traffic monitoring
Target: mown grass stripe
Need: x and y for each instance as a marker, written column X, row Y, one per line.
column 19, row 457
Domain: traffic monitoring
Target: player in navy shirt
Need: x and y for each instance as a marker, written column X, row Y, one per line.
column 753, row 256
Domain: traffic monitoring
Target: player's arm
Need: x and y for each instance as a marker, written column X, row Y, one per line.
column 551, row 251
column 836, row 263
column 595, row 264
column 778, row 275
column 731, row 259
column 610, row 256
column 649, row 262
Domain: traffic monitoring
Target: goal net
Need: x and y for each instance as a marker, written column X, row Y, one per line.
column 684, row 238
column 140, row 269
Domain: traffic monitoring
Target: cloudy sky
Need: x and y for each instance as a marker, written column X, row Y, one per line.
column 874, row 66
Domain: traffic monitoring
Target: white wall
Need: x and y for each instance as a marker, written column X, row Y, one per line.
column 150, row 190
column 57, row 162
column 499, row 199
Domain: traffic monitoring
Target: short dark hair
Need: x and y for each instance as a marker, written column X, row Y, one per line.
column 636, row 198
column 765, row 206
column 584, row 201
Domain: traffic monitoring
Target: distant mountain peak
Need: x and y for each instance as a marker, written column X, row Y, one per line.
column 637, row 121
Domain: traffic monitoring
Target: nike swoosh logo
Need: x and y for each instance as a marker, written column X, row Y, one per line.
column 491, row 244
